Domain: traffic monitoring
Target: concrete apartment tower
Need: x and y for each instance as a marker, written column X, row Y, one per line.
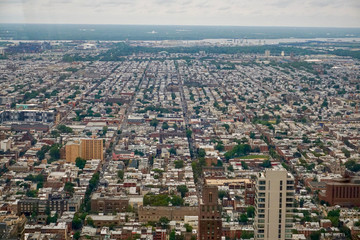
column 210, row 225
column 274, row 204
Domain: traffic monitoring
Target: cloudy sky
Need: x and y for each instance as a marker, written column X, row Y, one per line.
column 319, row 13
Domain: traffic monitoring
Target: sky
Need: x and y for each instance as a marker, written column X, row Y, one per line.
column 300, row 13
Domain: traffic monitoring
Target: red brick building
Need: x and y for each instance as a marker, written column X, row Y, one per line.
column 122, row 155
column 160, row 234
column 249, row 196
column 343, row 192
column 210, row 225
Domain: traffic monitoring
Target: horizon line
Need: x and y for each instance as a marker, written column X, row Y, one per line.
column 174, row 25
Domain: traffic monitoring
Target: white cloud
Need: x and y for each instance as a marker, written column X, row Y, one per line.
column 331, row 13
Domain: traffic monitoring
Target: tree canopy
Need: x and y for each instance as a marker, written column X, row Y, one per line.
column 80, row 162
column 183, row 190
column 238, row 151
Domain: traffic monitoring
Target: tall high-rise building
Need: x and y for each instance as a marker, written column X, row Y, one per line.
column 267, row 53
column 274, row 204
column 86, row 148
column 72, row 151
column 210, row 225
column 91, row 148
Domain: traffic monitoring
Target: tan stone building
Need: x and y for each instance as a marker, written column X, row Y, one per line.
column 12, row 226
column 91, row 148
column 148, row 213
column 72, row 151
column 107, row 220
column 86, row 148
column 108, row 204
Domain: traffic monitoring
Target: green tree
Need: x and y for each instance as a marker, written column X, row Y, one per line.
column 226, row 126
column 222, row 194
column 188, row 133
column 334, row 215
column 55, row 133
column 64, row 129
column 80, row 162
column 247, row 235
column 244, row 165
column 301, row 202
column 179, row 164
column 220, row 147
column 352, row 165
column 238, row 151
column 243, row 218
column 252, row 135
column 69, row 188
column 325, row 103
column 31, row 193
column 315, row 235
column 90, row 222
column 164, row 222
column 52, row 219
column 156, row 200
column 172, row 235
column 306, row 218
column 120, row 174
column 41, row 153
column 346, row 152
column 76, row 222
column 250, row 211
column 188, row 227
column 47, row 210
column 266, row 164
column 172, row 151
column 344, row 229
column 177, row 201
column 201, row 152
column 77, row 235
column 165, row 125
column 55, row 151
column 137, row 152
column 183, row 190
column 104, row 131
column 305, row 139
column 108, row 110
column 83, row 216
column 154, row 122
column 34, row 215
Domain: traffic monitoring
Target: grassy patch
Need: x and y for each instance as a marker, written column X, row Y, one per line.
column 255, row 156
